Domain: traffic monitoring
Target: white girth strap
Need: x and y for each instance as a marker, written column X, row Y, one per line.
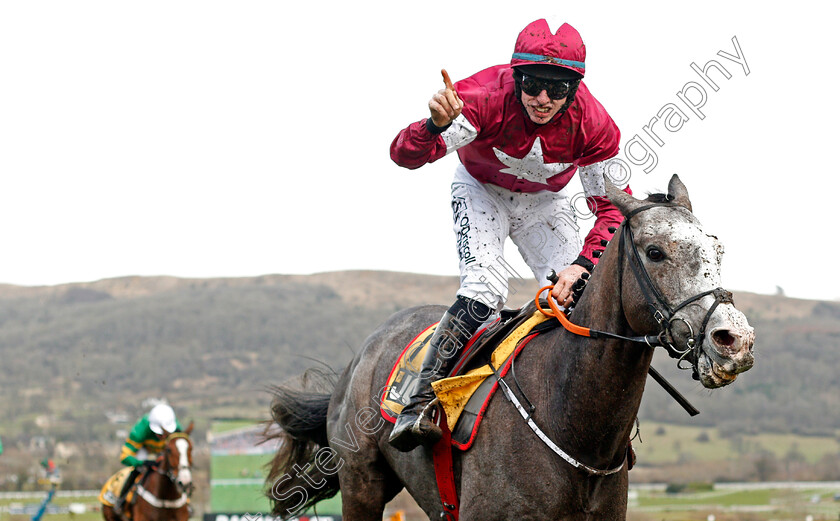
column 545, row 439
column 153, row 500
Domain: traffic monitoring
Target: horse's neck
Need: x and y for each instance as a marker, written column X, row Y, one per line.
column 601, row 380
column 161, row 486
column 600, row 306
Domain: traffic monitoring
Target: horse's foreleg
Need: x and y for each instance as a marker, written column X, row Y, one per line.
column 108, row 513
column 365, row 502
column 365, row 490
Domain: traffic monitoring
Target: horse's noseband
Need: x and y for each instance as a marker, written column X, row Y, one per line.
column 663, row 313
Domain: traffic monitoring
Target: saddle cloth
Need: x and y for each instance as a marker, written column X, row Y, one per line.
column 111, row 490
column 463, row 397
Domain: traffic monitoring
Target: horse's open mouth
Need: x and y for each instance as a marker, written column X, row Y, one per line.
column 719, row 373
column 712, row 374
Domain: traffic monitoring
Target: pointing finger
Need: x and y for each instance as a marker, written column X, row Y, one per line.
column 446, row 80
column 452, row 96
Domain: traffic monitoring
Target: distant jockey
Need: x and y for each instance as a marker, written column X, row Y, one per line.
column 48, row 465
column 51, row 472
column 521, row 130
column 143, row 444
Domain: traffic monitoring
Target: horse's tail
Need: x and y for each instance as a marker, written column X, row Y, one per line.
column 295, row 481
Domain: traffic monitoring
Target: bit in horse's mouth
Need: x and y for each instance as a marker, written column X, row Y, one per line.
column 719, row 373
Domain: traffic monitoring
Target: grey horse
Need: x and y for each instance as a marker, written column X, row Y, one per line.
column 659, row 279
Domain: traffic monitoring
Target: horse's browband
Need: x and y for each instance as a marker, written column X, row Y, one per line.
column 652, row 205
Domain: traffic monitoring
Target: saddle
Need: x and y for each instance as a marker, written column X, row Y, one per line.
column 479, row 349
column 466, row 392
column 111, row 490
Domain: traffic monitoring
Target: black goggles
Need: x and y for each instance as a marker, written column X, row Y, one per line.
column 556, row 90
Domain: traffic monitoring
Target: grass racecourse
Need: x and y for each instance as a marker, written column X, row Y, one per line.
column 237, row 483
column 733, row 502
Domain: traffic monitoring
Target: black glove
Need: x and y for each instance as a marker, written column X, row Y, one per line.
column 579, row 286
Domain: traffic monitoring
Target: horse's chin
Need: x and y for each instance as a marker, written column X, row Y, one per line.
column 712, row 375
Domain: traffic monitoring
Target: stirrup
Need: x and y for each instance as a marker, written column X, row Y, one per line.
column 427, row 413
column 433, row 432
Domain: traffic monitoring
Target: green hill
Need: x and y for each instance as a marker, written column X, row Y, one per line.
column 212, row 347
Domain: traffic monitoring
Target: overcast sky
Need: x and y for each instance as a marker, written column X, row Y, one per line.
column 207, row 138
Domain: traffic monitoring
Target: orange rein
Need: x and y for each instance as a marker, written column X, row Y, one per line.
column 557, row 313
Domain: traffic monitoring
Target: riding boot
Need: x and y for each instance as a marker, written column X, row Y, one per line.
column 129, row 481
column 414, row 426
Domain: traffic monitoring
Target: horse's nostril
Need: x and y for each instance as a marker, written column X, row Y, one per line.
column 723, row 337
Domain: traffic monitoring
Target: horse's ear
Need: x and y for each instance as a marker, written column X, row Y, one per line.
column 678, row 192
column 625, row 202
column 189, row 428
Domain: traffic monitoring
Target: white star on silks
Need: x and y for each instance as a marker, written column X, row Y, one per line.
column 531, row 167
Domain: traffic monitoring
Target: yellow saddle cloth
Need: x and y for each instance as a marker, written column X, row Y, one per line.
column 111, row 490
column 454, row 392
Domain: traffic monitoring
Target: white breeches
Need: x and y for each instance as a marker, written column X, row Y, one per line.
column 541, row 224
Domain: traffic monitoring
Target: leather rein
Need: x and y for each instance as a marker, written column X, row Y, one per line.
column 663, row 313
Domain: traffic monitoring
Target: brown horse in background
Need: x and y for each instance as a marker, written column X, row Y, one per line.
column 163, row 492
column 658, row 278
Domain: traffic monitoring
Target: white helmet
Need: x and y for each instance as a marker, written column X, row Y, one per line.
column 162, row 418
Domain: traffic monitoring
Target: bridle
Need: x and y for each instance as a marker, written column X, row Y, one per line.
column 663, row 313
column 170, row 472
column 172, row 475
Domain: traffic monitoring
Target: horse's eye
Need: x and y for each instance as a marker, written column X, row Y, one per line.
column 655, row 254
